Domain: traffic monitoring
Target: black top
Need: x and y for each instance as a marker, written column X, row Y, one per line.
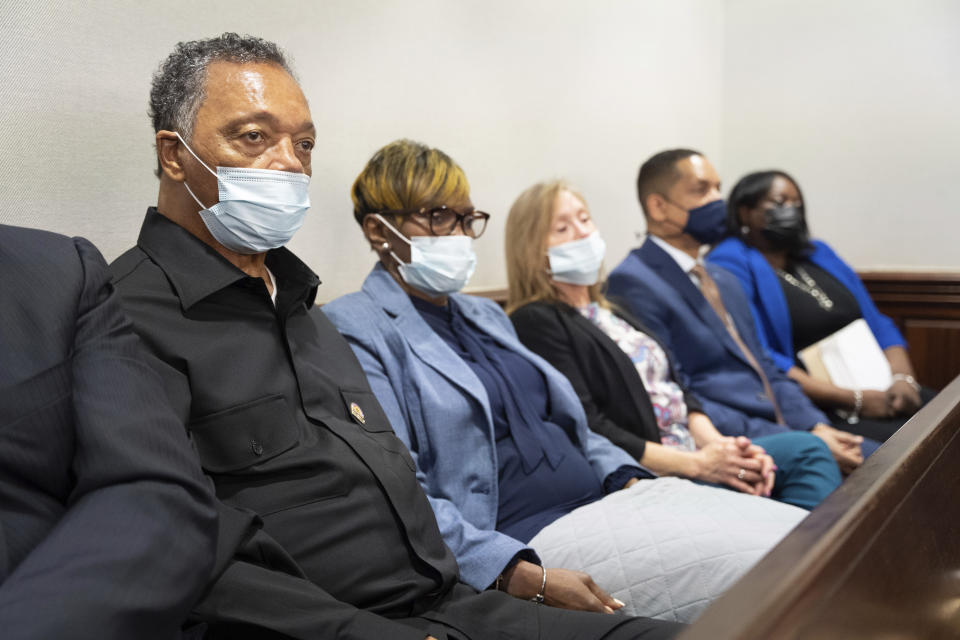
column 289, row 432
column 107, row 525
column 556, row 478
column 605, row 379
column 811, row 322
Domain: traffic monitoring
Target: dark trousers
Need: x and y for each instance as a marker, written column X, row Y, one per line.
column 492, row 615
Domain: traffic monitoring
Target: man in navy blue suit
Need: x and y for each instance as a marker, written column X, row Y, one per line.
column 107, row 525
column 702, row 314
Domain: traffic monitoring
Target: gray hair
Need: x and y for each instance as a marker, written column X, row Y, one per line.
column 178, row 86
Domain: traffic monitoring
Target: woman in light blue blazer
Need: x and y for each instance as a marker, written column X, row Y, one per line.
column 500, row 439
column 800, row 292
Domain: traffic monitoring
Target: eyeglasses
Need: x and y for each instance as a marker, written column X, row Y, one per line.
column 443, row 220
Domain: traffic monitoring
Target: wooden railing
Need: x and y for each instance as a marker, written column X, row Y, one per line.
column 926, row 307
column 879, row 558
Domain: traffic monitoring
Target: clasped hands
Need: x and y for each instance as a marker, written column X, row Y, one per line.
column 899, row 399
column 738, row 463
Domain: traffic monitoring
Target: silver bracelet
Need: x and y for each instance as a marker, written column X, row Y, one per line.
column 909, row 379
column 543, row 587
column 854, row 416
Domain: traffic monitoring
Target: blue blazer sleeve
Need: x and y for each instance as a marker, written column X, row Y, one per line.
column 482, row 554
column 883, row 328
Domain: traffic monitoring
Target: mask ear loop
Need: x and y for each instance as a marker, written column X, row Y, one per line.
column 189, row 190
column 399, row 235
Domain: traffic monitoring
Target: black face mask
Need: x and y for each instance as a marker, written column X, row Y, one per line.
column 786, row 228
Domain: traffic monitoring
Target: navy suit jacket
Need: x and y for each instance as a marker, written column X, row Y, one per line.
column 107, row 526
column 652, row 286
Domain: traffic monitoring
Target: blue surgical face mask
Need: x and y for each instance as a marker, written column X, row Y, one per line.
column 707, row 224
column 439, row 265
column 259, row 209
column 578, row 261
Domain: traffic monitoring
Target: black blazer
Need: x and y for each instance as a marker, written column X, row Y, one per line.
column 107, row 526
column 608, row 384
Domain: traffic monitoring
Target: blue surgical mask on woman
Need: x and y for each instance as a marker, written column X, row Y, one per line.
column 707, row 224
column 259, row 209
column 439, row 265
column 578, row 261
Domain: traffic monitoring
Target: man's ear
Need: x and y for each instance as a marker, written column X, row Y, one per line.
column 655, row 206
column 168, row 153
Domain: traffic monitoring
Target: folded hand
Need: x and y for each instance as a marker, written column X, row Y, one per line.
column 564, row 588
column 844, row 446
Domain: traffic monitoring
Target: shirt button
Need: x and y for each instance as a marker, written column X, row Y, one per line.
column 256, row 447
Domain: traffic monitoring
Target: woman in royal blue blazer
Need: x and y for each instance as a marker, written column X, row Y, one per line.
column 800, row 292
column 501, row 444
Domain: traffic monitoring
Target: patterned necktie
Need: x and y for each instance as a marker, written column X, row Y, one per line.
column 708, row 287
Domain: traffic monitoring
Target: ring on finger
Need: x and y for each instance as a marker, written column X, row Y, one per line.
column 741, row 473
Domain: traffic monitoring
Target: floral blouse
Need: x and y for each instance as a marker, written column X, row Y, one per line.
column 652, row 364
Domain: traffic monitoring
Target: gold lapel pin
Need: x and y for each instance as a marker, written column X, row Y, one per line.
column 357, row 413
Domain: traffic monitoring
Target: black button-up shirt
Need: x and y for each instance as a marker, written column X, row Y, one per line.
column 287, row 428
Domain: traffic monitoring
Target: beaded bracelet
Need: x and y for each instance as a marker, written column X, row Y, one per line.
column 854, row 416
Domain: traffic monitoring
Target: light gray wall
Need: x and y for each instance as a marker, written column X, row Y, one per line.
column 855, row 100
column 860, row 101
column 515, row 91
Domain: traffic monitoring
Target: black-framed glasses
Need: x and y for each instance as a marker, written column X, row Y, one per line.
column 443, row 220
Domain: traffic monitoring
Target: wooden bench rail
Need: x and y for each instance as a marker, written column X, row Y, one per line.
column 879, row 558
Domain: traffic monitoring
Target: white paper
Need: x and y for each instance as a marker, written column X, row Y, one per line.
column 854, row 360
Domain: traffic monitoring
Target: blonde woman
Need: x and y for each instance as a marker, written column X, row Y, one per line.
column 630, row 388
column 518, row 482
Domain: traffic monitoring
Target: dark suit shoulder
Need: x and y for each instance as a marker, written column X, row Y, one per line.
column 49, row 279
column 38, row 259
column 633, row 269
column 39, row 302
column 13, row 237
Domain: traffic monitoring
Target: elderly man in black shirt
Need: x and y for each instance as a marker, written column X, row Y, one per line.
column 324, row 531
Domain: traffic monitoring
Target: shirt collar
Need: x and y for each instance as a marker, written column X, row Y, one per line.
column 196, row 270
column 682, row 258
